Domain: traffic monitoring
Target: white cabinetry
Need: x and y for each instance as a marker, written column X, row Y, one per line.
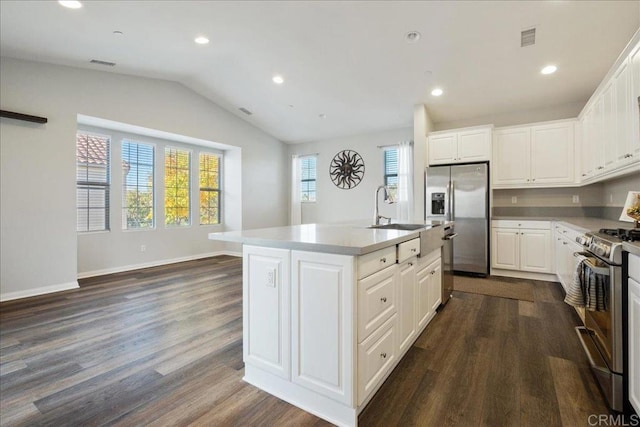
column 460, row 146
column 322, row 323
column 323, row 331
column 265, row 309
column 565, row 245
column 428, row 291
column 610, row 122
column 541, row 155
column 634, row 331
column 521, row 245
column 407, row 328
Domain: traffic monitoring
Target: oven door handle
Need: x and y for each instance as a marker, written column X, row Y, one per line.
column 603, row 271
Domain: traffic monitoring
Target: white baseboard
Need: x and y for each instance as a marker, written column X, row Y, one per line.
column 130, row 267
column 8, row 296
column 546, row 277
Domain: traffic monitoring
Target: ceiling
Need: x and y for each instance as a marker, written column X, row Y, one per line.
column 346, row 60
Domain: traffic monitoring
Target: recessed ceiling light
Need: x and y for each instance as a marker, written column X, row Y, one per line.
column 322, row 116
column 437, row 92
column 118, row 33
column 549, row 69
column 71, row 4
column 201, row 40
column 278, row 79
column 412, row 36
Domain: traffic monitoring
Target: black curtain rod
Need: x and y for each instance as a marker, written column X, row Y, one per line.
column 23, row 117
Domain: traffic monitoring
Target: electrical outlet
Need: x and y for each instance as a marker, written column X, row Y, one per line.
column 611, row 198
column 514, row 199
column 575, row 198
column 271, row 278
column 143, row 248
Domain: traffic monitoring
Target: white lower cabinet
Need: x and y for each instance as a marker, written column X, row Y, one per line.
column 323, row 331
column 429, row 291
column 565, row 246
column 265, row 309
column 322, row 323
column 407, row 328
column 634, row 331
column 376, row 356
column 521, row 245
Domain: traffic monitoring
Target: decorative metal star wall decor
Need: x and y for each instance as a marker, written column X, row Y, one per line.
column 346, row 169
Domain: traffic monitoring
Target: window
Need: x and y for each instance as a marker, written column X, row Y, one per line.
column 209, row 188
column 177, row 174
column 92, row 182
column 308, row 179
column 391, row 170
column 137, row 189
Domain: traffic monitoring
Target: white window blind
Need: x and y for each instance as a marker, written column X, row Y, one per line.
column 92, row 182
column 137, row 191
column 308, row 179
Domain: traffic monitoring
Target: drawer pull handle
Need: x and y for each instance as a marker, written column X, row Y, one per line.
column 383, row 299
column 413, row 249
column 410, row 264
column 564, row 243
column 383, row 355
column 383, row 260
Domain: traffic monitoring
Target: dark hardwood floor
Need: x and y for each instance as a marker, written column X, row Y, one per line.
column 163, row 346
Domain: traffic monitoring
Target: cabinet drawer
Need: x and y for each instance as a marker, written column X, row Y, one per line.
column 376, row 356
column 376, row 300
column 634, row 267
column 376, row 261
column 408, row 249
column 509, row 223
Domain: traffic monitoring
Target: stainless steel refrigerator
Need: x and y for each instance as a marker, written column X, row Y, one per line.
column 460, row 193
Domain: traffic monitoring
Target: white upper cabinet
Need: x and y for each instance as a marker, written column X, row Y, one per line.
column 541, row 155
column 552, row 148
column 610, row 122
column 511, row 163
column 460, row 146
column 634, row 116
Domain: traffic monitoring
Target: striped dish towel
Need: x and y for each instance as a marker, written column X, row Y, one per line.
column 588, row 289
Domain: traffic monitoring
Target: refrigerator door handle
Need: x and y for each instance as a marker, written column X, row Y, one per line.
column 452, row 200
column 447, row 213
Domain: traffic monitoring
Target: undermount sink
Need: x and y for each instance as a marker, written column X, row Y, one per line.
column 405, row 227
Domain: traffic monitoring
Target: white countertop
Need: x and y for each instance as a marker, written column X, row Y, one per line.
column 345, row 239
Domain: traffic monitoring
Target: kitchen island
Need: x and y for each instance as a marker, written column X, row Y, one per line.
column 329, row 310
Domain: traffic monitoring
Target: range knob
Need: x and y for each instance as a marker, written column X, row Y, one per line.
column 600, row 250
column 583, row 240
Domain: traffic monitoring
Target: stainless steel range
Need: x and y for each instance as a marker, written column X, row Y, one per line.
column 602, row 336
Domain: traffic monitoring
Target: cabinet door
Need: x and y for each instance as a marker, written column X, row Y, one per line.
column 442, row 148
column 376, row 300
column 435, row 287
column 265, row 311
column 597, row 142
column 552, row 153
column 423, row 278
column 622, row 115
column 634, row 344
column 474, row 145
column 609, row 138
column 586, row 145
column 505, row 248
column 407, row 304
column 634, row 64
column 535, row 251
column 322, row 323
column 511, row 148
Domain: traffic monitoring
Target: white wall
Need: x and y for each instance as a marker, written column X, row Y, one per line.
column 518, row 117
column 37, row 165
column 334, row 204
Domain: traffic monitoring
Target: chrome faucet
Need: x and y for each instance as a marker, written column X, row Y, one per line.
column 387, row 199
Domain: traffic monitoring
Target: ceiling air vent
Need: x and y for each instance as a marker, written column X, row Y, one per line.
column 244, row 110
column 528, row 37
column 107, row 63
